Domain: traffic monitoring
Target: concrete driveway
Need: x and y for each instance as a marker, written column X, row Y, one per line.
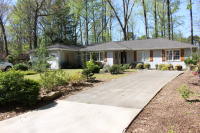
column 108, row 108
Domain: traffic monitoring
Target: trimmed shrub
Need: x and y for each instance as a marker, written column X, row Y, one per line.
column 169, row 66
column 160, row 66
column 21, row 66
column 88, row 74
column 139, row 66
column 126, row 66
column 100, row 64
column 178, row 67
column 94, row 68
column 15, row 90
column 156, row 66
column 147, row 66
column 116, row 69
column 133, row 65
column 106, row 69
column 51, row 79
column 164, row 68
column 76, row 78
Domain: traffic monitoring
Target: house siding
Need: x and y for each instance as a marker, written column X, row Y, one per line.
column 157, row 58
column 110, row 58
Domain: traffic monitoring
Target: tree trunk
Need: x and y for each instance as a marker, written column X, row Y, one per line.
column 94, row 26
column 110, row 28
column 4, row 36
column 86, row 23
column 155, row 18
column 35, row 30
column 145, row 19
column 81, row 33
column 163, row 19
column 168, row 15
column 172, row 27
column 191, row 21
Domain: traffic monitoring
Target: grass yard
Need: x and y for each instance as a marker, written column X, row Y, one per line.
column 99, row 76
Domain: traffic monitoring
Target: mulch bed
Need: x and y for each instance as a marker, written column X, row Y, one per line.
column 168, row 112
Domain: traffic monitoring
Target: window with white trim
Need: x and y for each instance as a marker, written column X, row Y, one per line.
column 96, row 56
column 172, row 55
column 176, row 55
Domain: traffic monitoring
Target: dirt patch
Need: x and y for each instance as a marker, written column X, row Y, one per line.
column 168, row 112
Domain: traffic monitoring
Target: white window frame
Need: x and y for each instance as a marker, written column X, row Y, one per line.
column 173, row 54
column 99, row 58
column 145, row 56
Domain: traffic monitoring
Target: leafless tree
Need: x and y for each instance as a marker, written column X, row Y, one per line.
column 127, row 11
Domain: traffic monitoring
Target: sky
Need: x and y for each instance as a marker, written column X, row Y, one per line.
column 139, row 28
column 183, row 12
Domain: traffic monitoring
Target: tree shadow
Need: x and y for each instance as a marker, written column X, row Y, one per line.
column 48, row 105
column 193, row 101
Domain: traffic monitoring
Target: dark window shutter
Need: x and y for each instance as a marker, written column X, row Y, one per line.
column 135, row 56
column 163, row 55
column 151, row 55
column 182, row 54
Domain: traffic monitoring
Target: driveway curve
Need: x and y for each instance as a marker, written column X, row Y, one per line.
column 108, row 108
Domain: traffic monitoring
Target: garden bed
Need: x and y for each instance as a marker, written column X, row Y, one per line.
column 168, row 112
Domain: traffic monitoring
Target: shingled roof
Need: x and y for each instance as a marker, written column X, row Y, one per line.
column 64, row 47
column 138, row 45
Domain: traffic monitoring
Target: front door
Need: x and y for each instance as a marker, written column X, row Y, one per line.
column 123, row 57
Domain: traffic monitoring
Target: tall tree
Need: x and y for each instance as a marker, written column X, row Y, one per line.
column 127, row 11
column 155, row 18
column 191, row 21
column 86, row 23
column 145, row 18
column 169, row 19
column 4, row 9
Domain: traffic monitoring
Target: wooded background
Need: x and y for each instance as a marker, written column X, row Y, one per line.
column 25, row 24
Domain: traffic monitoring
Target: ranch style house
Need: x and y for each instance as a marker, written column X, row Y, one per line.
column 152, row 51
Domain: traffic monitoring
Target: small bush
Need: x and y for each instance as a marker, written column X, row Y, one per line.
column 94, row 68
column 156, row 66
column 88, row 74
column 100, row 64
column 11, row 58
column 106, row 69
column 165, row 68
column 15, row 90
column 133, row 65
column 126, row 66
column 178, row 67
column 147, row 66
column 139, row 66
column 116, row 69
column 51, row 79
column 21, row 66
column 76, row 78
column 169, row 66
column 185, row 92
column 160, row 66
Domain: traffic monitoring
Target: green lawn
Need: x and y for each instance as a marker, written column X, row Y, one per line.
column 100, row 76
